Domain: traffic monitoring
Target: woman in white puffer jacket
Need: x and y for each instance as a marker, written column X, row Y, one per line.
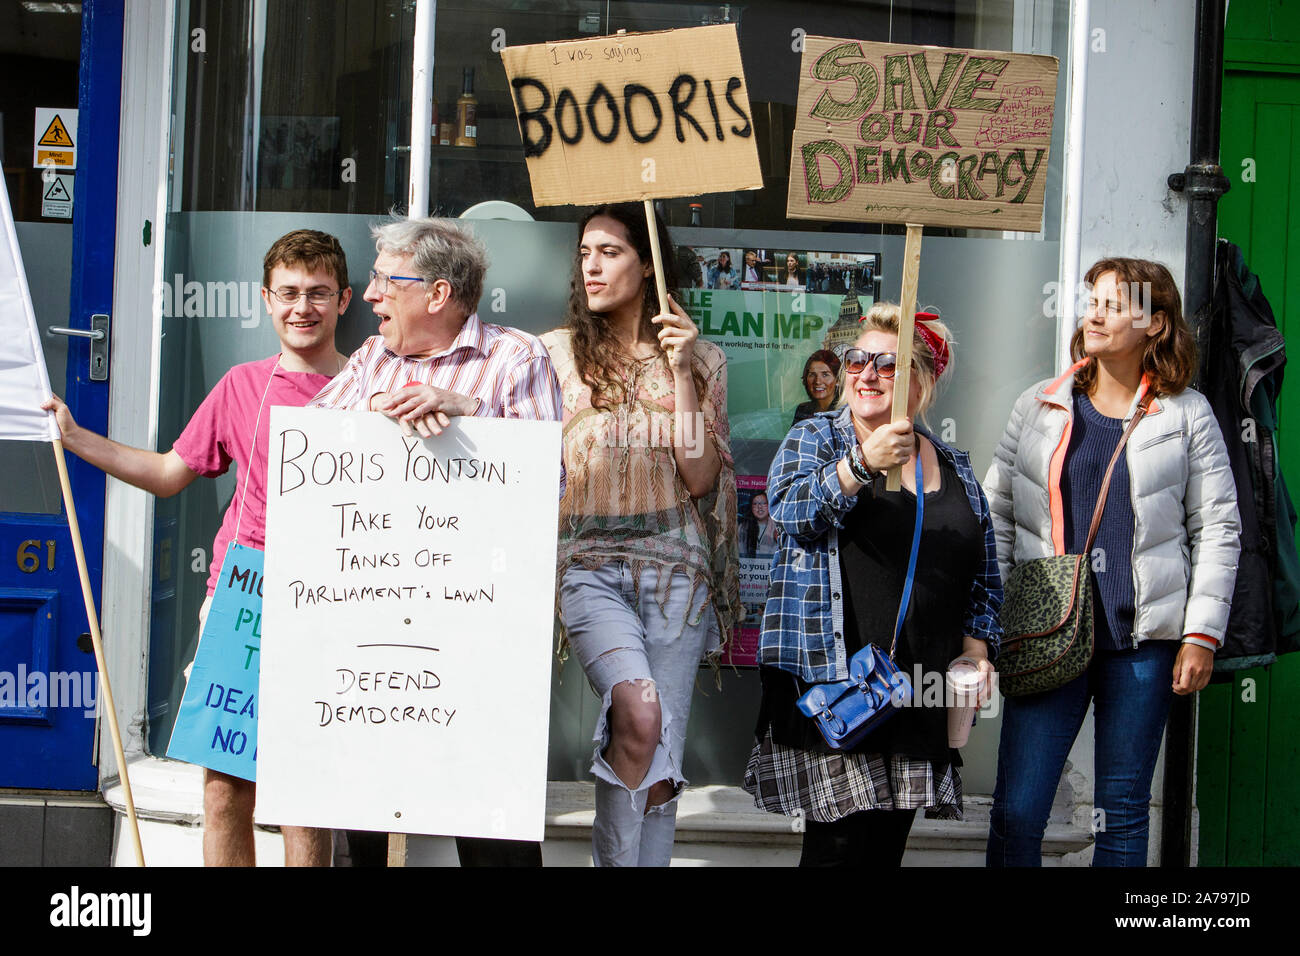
column 1164, row 561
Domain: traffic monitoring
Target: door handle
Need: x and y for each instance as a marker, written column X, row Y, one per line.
column 95, row 334
column 98, row 335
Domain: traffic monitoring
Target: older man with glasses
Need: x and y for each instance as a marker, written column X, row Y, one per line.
column 434, row 359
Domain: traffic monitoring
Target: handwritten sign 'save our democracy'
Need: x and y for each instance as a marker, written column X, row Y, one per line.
column 899, row 133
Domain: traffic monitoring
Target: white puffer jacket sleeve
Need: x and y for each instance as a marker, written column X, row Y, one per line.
column 998, row 482
column 1213, row 524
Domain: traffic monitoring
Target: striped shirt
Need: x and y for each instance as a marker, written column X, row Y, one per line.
column 509, row 371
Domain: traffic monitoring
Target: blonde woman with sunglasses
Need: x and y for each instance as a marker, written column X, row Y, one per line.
column 837, row 583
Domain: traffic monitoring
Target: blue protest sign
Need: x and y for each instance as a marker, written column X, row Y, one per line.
column 217, row 723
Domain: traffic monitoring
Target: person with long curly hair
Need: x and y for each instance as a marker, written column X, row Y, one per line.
column 647, row 546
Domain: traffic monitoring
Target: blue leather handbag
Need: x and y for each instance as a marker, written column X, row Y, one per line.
column 846, row 711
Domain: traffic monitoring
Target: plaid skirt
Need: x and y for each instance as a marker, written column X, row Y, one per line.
column 828, row 786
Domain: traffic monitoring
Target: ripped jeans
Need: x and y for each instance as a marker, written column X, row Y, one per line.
column 621, row 634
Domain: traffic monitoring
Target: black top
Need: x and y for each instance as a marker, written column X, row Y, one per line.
column 875, row 543
column 807, row 410
column 1093, row 438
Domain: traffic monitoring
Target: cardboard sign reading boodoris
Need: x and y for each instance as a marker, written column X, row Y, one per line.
column 406, row 625
column 634, row 116
column 889, row 132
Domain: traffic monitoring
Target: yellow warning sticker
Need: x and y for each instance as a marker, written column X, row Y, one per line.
column 56, row 134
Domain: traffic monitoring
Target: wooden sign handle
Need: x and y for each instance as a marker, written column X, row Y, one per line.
column 656, row 253
column 906, row 332
column 397, row 849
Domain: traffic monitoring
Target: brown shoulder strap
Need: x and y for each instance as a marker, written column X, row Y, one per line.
column 1110, row 469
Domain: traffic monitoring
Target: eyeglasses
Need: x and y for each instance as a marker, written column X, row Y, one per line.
column 380, row 281
column 290, row 296
column 856, row 361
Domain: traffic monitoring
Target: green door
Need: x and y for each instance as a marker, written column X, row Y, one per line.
column 1248, row 771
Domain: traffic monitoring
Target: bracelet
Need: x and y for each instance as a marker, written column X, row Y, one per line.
column 858, row 467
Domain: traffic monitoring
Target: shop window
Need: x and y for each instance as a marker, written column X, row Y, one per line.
column 288, row 115
column 297, row 114
column 294, row 106
column 770, row 35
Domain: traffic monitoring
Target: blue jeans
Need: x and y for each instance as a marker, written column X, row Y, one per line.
column 621, row 633
column 1131, row 691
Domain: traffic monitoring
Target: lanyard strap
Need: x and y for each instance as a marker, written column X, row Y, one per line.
column 916, row 547
column 911, row 563
column 252, row 447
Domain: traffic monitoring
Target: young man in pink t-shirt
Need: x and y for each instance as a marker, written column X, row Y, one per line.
column 305, row 289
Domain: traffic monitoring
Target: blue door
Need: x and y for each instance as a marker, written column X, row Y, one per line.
column 48, row 687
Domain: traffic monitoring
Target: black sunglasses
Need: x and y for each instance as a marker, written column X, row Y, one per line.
column 856, row 361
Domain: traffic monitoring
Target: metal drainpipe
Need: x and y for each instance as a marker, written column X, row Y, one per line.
column 1202, row 183
column 1067, row 311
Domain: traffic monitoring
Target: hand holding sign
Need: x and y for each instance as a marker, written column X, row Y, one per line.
column 422, row 409
column 677, row 335
column 635, row 116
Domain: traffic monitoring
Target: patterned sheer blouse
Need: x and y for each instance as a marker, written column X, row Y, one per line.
column 625, row 501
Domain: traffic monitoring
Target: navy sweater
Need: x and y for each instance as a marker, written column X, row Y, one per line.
column 1093, row 438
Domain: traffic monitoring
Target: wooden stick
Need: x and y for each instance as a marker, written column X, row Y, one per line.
column 906, row 332
column 657, row 254
column 106, row 689
column 397, row 849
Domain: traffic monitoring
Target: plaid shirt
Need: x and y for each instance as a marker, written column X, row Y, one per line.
column 803, row 621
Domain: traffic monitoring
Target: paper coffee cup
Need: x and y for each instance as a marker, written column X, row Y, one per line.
column 964, row 683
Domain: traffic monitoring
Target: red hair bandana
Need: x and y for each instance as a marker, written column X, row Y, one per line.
column 933, row 341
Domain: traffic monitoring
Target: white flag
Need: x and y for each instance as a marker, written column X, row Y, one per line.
column 24, row 382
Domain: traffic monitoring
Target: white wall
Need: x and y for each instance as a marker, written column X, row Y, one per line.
column 1137, row 130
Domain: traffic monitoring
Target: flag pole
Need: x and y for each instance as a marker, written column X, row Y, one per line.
column 106, row 695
